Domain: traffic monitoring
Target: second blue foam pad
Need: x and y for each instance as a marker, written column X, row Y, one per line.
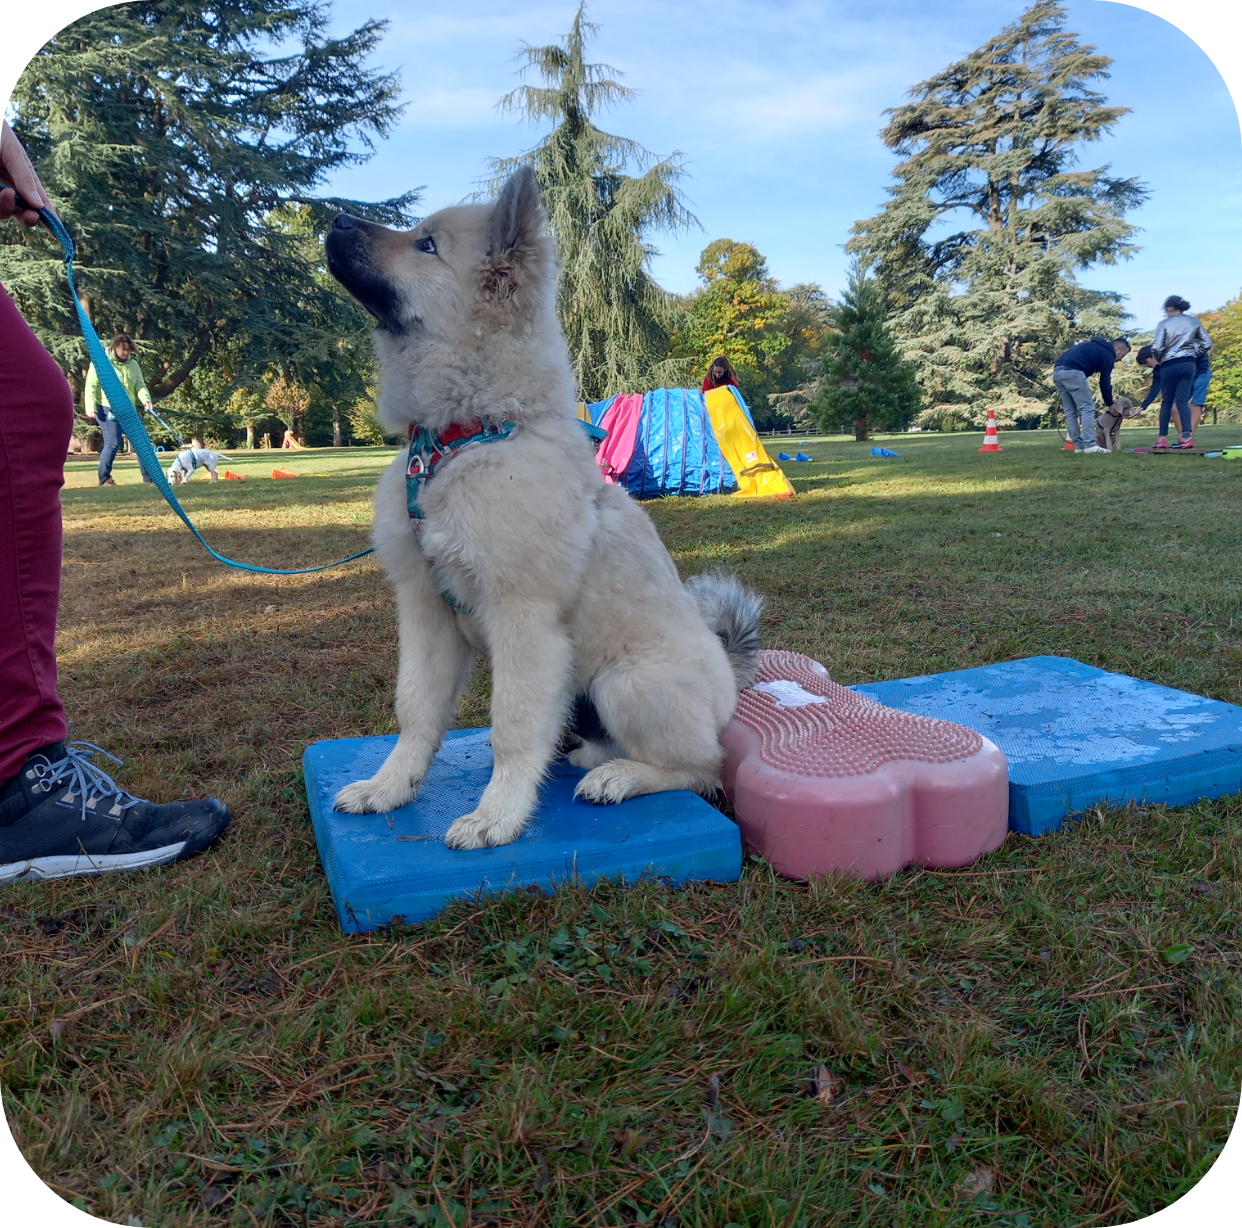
column 1076, row 736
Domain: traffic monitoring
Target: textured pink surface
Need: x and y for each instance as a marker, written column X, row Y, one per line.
column 822, row 778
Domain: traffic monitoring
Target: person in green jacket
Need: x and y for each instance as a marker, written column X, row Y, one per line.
column 130, row 374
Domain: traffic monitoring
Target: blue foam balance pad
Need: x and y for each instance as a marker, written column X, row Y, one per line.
column 1076, row 736
column 382, row 867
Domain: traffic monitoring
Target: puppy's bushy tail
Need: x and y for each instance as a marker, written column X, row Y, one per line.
column 732, row 612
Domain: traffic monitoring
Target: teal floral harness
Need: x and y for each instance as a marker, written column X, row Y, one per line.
column 428, row 451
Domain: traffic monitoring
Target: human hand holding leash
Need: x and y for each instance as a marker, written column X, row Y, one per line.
column 16, row 169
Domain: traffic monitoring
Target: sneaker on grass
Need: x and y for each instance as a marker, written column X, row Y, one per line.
column 61, row 815
column 1095, row 447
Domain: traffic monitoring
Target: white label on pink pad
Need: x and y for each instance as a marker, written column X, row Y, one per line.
column 789, row 694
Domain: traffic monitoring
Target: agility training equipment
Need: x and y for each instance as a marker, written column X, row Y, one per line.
column 680, row 441
column 822, row 778
column 131, row 422
column 884, row 452
column 283, row 473
column 1078, row 737
column 991, row 441
column 386, row 867
column 229, row 476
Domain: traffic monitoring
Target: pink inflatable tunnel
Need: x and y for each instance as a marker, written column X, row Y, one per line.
column 822, row 778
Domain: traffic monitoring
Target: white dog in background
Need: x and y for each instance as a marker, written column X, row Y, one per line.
column 189, row 460
column 519, row 549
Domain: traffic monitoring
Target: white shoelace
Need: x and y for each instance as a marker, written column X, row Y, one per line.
column 87, row 784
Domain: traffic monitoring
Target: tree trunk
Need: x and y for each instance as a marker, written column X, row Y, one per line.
column 860, row 430
column 336, row 425
column 250, row 435
column 196, row 441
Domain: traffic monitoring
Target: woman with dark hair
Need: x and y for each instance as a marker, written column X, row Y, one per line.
column 1178, row 342
column 719, row 374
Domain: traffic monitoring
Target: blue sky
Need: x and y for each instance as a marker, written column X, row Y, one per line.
column 776, row 106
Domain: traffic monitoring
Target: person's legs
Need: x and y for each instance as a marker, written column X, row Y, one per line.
column 111, row 430
column 60, row 813
column 36, row 424
column 1177, row 389
column 1079, row 407
column 1198, row 397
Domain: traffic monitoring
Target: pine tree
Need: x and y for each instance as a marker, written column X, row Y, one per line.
column 615, row 316
column 988, row 220
column 867, row 384
column 169, row 134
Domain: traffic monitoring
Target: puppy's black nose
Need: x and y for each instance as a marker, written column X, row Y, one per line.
column 343, row 221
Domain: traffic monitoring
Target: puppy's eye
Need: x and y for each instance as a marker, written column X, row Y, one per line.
column 426, row 244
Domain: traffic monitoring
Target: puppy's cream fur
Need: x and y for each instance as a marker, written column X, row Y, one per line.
column 569, row 587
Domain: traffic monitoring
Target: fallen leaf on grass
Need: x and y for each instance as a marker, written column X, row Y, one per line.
column 629, row 1141
column 56, row 1029
column 977, row 1181
column 214, row 1195
column 1178, row 953
column 825, row 1085
column 544, row 1179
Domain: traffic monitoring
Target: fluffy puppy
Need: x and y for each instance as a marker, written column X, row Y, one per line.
column 517, row 548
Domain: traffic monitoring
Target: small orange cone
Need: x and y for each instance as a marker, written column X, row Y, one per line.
column 230, row 476
column 1069, row 446
column 990, row 441
column 283, row 473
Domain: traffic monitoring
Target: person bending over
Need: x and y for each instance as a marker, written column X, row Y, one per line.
column 1097, row 356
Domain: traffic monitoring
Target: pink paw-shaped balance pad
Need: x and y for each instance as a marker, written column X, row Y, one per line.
column 822, row 778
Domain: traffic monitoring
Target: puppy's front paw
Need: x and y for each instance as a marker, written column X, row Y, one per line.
column 374, row 796
column 480, row 829
column 611, row 782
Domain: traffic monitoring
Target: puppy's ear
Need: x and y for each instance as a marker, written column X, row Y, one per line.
column 516, row 232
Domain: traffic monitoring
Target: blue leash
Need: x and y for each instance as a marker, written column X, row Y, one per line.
column 120, row 404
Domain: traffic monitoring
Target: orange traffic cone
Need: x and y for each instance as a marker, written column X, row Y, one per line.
column 990, row 441
column 283, row 473
column 1068, row 446
column 230, row 476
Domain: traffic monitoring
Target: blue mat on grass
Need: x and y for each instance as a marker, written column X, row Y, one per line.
column 382, row 867
column 1076, row 736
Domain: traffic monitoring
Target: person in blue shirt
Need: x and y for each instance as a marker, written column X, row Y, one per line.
column 1097, row 356
column 1198, row 391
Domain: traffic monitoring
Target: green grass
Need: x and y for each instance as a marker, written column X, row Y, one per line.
column 1054, row 1028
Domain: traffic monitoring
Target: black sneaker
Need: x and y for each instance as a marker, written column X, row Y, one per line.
column 77, row 820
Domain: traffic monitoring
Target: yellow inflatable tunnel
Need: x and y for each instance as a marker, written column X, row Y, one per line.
column 758, row 475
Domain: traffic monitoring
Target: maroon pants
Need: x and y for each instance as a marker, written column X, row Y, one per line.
column 36, row 423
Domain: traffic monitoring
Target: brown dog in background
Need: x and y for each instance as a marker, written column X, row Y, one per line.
column 1108, row 423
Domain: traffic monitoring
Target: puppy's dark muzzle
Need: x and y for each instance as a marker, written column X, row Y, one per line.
column 350, row 248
